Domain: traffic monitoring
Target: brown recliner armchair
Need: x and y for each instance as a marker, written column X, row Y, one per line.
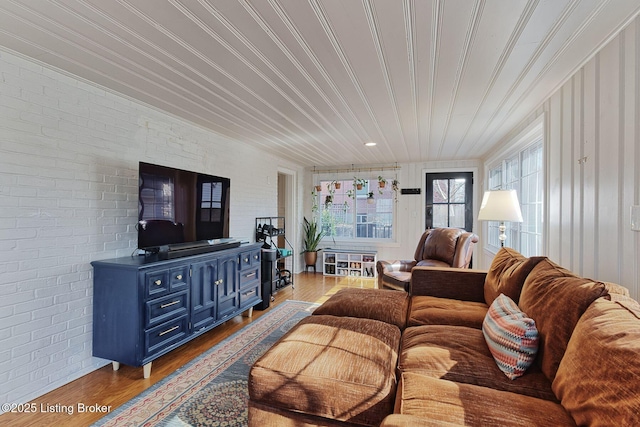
column 438, row 247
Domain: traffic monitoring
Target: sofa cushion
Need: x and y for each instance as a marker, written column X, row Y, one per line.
column 440, row 245
column 507, row 274
column 460, row 354
column 555, row 298
column 432, row 263
column 468, row 404
column 399, row 420
column 340, row 368
column 598, row 380
column 511, row 336
column 378, row 304
column 427, row 310
column 397, row 279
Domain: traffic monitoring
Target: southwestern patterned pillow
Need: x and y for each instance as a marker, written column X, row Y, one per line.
column 511, row 336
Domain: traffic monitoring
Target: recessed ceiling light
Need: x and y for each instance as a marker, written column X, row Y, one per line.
column 370, row 144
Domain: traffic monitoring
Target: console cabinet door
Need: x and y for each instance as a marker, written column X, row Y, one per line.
column 227, row 286
column 204, row 276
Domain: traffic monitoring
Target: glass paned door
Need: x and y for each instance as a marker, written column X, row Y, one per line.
column 449, row 200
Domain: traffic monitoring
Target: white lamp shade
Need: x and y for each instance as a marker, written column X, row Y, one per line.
column 500, row 205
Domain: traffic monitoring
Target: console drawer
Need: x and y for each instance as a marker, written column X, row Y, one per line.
column 178, row 278
column 249, row 259
column 165, row 334
column 249, row 295
column 249, row 277
column 156, row 283
column 162, row 309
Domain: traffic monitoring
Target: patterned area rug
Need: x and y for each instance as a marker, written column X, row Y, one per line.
column 211, row 390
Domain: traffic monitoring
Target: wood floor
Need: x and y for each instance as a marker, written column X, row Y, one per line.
column 108, row 388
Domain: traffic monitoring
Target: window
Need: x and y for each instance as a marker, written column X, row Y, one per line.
column 211, row 203
column 346, row 211
column 523, row 172
column 156, row 197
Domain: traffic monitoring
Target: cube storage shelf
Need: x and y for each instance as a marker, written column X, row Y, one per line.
column 345, row 262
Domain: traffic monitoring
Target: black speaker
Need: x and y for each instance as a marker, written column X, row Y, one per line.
column 268, row 275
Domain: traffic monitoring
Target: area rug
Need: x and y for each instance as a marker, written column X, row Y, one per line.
column 211, row 390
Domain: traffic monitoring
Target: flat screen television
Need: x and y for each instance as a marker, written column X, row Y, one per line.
column 179, row 207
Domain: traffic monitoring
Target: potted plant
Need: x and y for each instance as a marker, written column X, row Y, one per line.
column 314, row 199
column 335, row 184
column 395, row 186
column 351, row 193
column 381, row 182
column 359, row 182
column 370, row 199
column 312, row 236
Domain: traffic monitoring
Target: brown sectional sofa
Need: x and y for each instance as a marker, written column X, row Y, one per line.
column 382, row 357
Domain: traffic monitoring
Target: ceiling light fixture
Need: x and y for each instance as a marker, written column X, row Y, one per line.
column 370, row 144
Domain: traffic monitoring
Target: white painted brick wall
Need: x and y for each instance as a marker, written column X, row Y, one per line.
column 69, row 154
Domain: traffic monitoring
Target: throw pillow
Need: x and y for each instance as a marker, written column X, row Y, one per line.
column 511, row 336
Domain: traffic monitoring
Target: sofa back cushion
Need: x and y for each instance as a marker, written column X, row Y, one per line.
column 440, row 245
column 555, row 298
column 507, row 274
column 597, row 381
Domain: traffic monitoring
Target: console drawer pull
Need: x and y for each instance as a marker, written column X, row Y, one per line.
column 169, row 304
column 246, row 294
column 158, row 282
column 168, row 330
column 255, row 257
column 246, row 260
column 179, row 277
column 250, row 275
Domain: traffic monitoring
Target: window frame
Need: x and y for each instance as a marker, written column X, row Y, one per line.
column 372, row 177
column 497, row 177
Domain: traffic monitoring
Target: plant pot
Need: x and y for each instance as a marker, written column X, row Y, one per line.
column 337, row 185
column 382, row 184
column 359, row 186
column 318, row 187
column 310, row 258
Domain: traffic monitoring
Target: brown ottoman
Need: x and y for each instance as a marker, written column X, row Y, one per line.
column 327, row 370
column 379, row 304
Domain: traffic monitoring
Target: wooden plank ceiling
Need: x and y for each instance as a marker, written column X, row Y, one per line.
column 313, row 80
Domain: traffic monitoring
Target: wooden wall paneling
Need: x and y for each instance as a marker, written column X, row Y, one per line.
column 630, row 151
column 591, row 112
column 554, row 172
column 607, row 164
column 578, row 189
column 566, row 220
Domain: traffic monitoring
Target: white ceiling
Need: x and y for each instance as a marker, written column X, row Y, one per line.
column 313, row 80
